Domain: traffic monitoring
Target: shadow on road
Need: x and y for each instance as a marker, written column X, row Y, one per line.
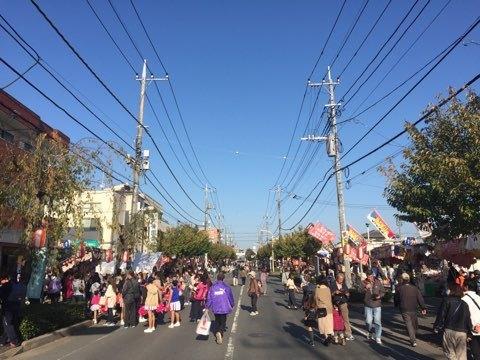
column 94, row 330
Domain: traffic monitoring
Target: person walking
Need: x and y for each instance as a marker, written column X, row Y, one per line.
column 243, row 275
column 323, row 301
column 128, row 294
column 309, row 307
column 291, row 289
column 374, row 292
column 151, row 303
column 263, row 280
column 199, row 296
column 235, row 275
column 454, row 320
column 175, row 305
column 12, row 295
column 253, row 292
column 408, row 298
column 341, row 295
column 220, row 302
column 111, row 296
column 473, row 302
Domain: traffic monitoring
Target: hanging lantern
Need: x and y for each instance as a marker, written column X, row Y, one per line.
column 360, row 253
column 347, row 249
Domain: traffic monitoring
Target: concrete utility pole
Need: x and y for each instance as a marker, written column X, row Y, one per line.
column 208, row 206
column 333, row 143
column 140, row 161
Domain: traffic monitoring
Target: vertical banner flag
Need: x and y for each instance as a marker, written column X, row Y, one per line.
column 381, row 225
column 35, row 284
column 321, row 233
column 354, row 236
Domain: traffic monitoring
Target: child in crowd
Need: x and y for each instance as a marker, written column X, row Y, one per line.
column 338, row 326
column 95, row 305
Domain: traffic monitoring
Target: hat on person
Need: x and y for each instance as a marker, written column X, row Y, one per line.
column 251, row 273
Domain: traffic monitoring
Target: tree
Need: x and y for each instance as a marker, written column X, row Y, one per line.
column 297, row 244
column 44, row 186
column 184, row 241
column 221, row 252
column 264, row 252
column 439, row 181
column 250, row 254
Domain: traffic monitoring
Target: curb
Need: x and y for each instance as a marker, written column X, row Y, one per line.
column 44, row 339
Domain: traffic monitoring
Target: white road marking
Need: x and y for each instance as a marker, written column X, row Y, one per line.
column 86, row 345
column 230, row 346
column 364, row 333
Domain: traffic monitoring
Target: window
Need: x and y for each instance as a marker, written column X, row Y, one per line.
column 90, row 224
column 26, row 146
column 6, row 135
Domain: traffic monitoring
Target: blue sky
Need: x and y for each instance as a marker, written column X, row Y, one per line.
column 239, row 71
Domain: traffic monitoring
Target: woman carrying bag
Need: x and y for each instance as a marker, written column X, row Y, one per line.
column 253, row 292
column 323, row 301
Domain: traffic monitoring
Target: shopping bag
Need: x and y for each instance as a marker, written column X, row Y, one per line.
column 203, row 327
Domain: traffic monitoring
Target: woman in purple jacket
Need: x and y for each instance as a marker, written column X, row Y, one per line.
column 220, row 302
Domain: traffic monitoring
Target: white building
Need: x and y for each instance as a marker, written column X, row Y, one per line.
column 107, row 211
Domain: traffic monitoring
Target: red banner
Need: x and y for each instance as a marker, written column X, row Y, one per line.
column 321, row 233
column 381, row 225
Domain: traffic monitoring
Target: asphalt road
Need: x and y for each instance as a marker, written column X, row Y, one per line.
column 276, row 333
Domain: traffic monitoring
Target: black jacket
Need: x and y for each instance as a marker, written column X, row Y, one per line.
column 454, row 314
column 408, row 298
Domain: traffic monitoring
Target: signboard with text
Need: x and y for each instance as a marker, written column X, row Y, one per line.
column 381, row 225
column 321, row 233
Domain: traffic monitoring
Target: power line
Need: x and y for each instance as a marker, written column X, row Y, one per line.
column 439, row 61
column 387, row 54
column 71, row 116
column 404, row 54
column 365, row 38
column 101, row 168
column 382, row 47
column 172, row 91
column 55, row 77
column 156, row 85
column 97, row 77
column 332, row 29
column 327, row 177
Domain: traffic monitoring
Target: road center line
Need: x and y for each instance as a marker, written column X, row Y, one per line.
column 230, row 346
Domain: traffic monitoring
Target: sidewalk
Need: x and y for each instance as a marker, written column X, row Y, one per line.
column 429, row 343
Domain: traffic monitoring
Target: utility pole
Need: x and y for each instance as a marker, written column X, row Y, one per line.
column 333, row 143
column 140, row 160
column 278, row 191
column 208, row 206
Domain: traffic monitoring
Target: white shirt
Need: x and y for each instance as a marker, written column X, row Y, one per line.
column 474, row 310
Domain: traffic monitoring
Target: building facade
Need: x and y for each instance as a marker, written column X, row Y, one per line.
column 19, row 129
column 107, row 211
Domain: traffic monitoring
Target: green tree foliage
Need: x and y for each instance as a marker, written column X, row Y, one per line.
column 184, row 241
column 220, row 252
column 43, row 185
column 439, row 181
column 264, row 252
column 250, row 254
column 297, row 244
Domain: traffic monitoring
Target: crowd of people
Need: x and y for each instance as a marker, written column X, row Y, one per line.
column 325, row 303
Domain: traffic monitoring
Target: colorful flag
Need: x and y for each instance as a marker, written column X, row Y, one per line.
column 354, row 235
column 321, row 233
column 381, row 225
